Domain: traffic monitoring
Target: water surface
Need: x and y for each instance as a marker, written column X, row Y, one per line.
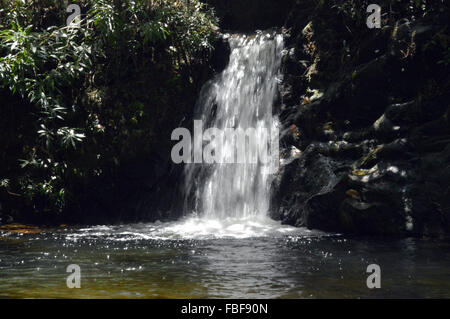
column 212, row 259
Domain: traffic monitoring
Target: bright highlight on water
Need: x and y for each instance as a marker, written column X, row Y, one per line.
column 241, row 97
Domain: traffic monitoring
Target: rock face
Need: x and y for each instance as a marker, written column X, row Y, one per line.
column 366, row 130
column 250, row 15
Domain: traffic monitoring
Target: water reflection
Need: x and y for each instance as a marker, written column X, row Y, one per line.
column 133, row 262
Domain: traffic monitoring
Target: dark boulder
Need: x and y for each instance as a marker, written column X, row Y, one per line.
column 365, row 142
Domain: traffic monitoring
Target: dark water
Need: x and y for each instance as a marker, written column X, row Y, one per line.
column 124, row 262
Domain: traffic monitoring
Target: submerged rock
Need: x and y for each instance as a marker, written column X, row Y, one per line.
column 20, row 229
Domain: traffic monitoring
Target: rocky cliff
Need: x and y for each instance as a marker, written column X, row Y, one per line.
column 366, row 134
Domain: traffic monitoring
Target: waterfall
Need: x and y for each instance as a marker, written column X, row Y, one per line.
column 229, row 196
column 241, row 97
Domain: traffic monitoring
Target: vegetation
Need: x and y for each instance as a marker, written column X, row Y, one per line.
column 370, row 110
column 340, row 30
column 78, row 101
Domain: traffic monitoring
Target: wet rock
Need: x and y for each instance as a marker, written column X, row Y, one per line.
column 6, row 219
column 220, row 55
column 370, row 218
column 20, row 229
column 374, row 149
column 250, row 15
column 311, row 174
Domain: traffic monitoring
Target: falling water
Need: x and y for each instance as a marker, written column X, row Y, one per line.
column 231, row 198
column 242, row 97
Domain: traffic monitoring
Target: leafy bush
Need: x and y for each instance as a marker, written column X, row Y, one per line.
column 77, row 100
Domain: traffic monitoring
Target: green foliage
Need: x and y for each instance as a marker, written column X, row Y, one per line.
column 76, row 100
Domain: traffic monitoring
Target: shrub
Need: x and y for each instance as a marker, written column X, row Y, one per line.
column 77, row 100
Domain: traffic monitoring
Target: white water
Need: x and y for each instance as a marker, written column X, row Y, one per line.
column 198, row 228
column 228, row 200
column 232, row 200
column 241, row 97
